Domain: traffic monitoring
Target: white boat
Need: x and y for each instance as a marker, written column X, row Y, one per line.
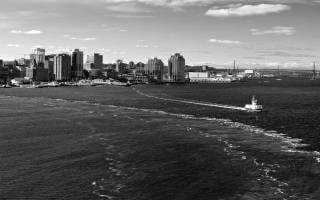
column 53, row 84
column 254, row 106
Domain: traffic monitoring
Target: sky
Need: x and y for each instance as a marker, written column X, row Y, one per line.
column 264, row 33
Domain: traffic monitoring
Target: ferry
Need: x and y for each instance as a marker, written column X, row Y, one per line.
column 254, row 106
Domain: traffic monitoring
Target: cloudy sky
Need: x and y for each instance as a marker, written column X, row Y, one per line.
column 265, row 32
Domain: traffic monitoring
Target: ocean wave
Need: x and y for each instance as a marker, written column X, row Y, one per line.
column 288, row 144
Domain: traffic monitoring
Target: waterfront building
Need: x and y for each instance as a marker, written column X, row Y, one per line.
column 140, row 68
column 94, row 61
column 121, row 67
column 62, row 67
column 155, row 68
column 23, row 62
column 4, row 73
column 37, row 74
column 49, row 64
column 39, row 57
column 176, row 68
column 77, row 64
column 131, row 65
column 37, row 70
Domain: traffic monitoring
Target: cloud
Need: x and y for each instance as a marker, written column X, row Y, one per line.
column 276, row 30
column 13, row 45
column 176, row 4
column 88, row 39
column 184, row 3
column 229, row 42
column 239, row 10
column 127, row 8
column 31, row 32
column 80, row 39
column 284, row 54
column 142, row 46
column 163, row 3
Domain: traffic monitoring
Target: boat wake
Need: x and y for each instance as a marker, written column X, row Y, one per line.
column 193, row 102
column 288, row 144
column 116, row 176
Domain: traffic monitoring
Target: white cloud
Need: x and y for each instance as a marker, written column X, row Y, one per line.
column 239, row 10
column 230, row 42
column 126, row 8
column 142, row 46
column 30, row 32
column 164, row 3
column 276, row 30
column 37, row 46
column 13, row 45
column 80, row 39
column 184, row 3
column 89, row 39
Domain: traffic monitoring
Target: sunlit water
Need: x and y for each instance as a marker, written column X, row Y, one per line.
column 81, row 149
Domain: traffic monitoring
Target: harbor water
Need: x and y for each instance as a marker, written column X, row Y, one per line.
column 161, row 142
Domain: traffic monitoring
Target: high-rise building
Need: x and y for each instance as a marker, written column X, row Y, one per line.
column 94, row 61
column 62, row 67
column 140, row 67
column 37, row 70
column 4, row 73
column 176, row 68
column 121, row 67
column 77, row 64
column 49, row 64
column 131, row 65
column 37, row 59
column 154, row 68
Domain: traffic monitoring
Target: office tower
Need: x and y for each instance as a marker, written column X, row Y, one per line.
column 98, row 60
column 49, row 64
column 4, row 73
column 37, row 70
column 119, row 66
column 62, row 67
column 38, row 58
column 176, row 68
column 94, row 61
column 154, row 69
column 77, row 64
column 131, row 65
column 140, row 67
column 40, row 55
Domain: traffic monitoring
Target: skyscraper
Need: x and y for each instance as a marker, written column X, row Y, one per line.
column 121, row 67
column 140, row 67
column 155, row 68
column 39, row 56
column 36, row 70
column 77, row 64
column 49, row 64
column 176, row 68
column 94, row 61
column 62, row 67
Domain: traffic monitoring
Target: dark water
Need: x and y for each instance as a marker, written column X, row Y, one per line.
column 112, row 143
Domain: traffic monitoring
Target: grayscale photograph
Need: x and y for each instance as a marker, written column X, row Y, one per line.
column 160, row 99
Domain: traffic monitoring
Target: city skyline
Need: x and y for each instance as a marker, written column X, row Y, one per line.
column 265, row 33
